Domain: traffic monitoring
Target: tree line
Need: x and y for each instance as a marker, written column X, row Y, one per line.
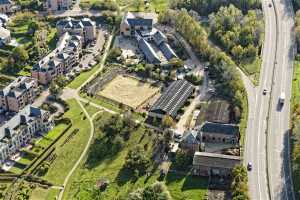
column 205, row 7
column 239, row 35
column 221, row 68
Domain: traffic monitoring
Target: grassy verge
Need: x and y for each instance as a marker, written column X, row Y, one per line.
column 253, row 70
column 243, row 123
column 102, row 103
column 79, row 80
column 295, row 140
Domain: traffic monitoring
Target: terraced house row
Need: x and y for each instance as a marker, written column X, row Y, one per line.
column 19, row 130
column 18, row 94
column 74, row 34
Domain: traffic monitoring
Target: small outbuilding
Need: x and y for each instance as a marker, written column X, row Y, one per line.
column 212, row 164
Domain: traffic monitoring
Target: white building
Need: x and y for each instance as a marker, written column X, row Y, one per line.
column 19, row 130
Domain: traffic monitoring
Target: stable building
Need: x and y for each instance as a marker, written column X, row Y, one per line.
column 212, row 164
column 212, row 132
column 172, row 99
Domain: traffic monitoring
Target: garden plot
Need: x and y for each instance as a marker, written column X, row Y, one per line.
column 128, row 91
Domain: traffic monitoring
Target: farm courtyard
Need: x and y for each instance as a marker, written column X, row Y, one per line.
column 128, row 91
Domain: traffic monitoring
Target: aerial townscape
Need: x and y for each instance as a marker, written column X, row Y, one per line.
column 149, row 100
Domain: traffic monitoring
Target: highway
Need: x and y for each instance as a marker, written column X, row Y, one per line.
column 266, row 145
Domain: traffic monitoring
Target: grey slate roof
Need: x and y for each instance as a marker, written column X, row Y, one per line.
column 65, row 48
column 139, row 22
column 159, row 37
column 173, row 98
column 228, row 129
column 75, row 23
column 17, row 87
column 2, row 2
column 148, row 51
column 191, row 137
column 167, row 50
column 26, row 114
column 215, row 160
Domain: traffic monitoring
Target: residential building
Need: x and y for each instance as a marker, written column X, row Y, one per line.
column 85, row 27
column 55, row 5
column 5, row 37
column 212, row 164
column 141, row 22
column 148, row 51
column 19, row 130
column 212, row 132
column 60, row 61
column 162, row 43
column 190, row 142
column 18, row 94
column 6, row 6
column 172, row 99
column 140, row 26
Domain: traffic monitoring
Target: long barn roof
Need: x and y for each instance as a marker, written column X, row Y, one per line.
column 173, row 98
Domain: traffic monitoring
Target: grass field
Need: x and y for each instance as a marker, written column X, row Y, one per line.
column 128, row 91
column 44, row 194
column 68, row 153
column 91, row 109
column 82, row 183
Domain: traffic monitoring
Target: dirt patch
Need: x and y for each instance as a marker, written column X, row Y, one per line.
column 128, row 91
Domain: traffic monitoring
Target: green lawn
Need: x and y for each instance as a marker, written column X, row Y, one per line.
column 44, row 194
column 52, row 135
column 68, row 153
column 79, row 80
column 90, row 109
column 187, row 186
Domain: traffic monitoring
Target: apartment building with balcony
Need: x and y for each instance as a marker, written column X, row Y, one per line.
column 60, row 61
column 85, row 27
column 19, row 130
column 18, row 94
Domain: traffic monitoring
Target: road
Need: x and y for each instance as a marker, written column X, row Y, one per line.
column 267, row 145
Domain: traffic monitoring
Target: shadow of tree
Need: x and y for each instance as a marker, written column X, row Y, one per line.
column 124, row 176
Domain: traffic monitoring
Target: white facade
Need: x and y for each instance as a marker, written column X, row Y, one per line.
column 20, row 129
